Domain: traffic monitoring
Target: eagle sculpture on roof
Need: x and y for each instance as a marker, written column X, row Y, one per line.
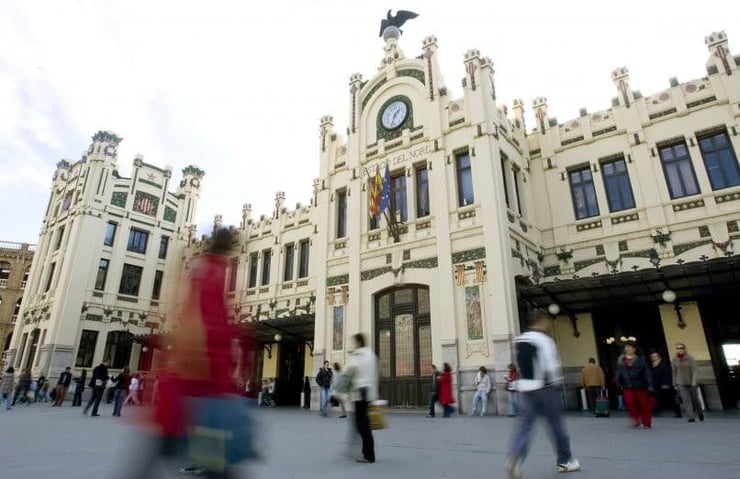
column 396, row 20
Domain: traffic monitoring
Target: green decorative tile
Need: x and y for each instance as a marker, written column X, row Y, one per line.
column 146, row 203
column 469, row 255
column 413, row 73
column 578, row 265
column 170, row 214
column 552, row 270
column 118, row 198
column 337, row 280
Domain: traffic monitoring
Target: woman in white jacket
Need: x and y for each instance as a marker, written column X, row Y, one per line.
column 362, row 368
column 483, row 388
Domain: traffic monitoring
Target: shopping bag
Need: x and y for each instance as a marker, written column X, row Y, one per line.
column 221, row 431
column 376, row 414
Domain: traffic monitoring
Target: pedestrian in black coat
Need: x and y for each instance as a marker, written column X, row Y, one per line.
column 97, row 383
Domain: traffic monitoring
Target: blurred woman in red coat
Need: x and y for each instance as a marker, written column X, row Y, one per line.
column 445, row 390
column 201, row 360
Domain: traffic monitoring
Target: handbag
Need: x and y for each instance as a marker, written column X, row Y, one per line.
column 221, row 431
column 376, row 414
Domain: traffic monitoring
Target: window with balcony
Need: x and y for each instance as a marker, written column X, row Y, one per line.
column 464, row 180
column 399, row 201
column 157, row 286
column 253, row 260
column 137, row 240
column 288, row 263
column 5, row 270
column 130, row 280
column 678, row 170
column 720, row 160
column 102, row 274
column 583, row 193
column 304, row 252
column 266, row 259
column 110, row 233
column 422, row 192
column 617, row 185
column 164, row 243
column 341, row 201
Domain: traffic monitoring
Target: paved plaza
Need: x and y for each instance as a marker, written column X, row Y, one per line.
column 44, row 442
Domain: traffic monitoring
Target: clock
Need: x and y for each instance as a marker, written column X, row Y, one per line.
column 394, row 115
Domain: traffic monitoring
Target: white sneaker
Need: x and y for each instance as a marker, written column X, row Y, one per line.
column 514, row 467
column 570, row 466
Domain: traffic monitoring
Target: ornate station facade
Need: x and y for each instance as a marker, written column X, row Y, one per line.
column 437, row 222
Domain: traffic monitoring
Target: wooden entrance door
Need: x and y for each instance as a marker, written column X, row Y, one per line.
column 403, row 342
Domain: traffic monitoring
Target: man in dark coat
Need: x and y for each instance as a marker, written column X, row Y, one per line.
column 434, row 393
column 97, row 383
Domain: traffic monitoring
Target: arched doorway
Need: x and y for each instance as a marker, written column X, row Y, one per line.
column 403, row 342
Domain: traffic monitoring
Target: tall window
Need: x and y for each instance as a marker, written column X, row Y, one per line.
column 518, row 191
column 157, row 286
column 33, row 345
column 289, row 258
column 720, row 160
column 137, row 240
column 678, row 170
column 102, row 274
column 50, row 278
column 22, row 350
column 117, row 350
column 86, row 349
column 60, row 237
column 341, row 214
column 5, row 270
column 399, row 202
column 303, row 267
column 617, row 185
column 130, row 280
column 233, row 271
column 464, row 180
column 422, row 192
column 583, row 192
column 505, row 178
column 110, row 233
column 163, row 245
column 252, row 270
column 266, row 259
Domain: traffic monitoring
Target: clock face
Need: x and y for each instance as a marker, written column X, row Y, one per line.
column 394, row 115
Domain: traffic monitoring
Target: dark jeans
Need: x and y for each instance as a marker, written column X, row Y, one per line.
column 592, row 392
column 547, row 403
column 447, row 410
column 666, row 401
column 77, row 398
column 362, row 422
column 94, row 401
column 433, row 398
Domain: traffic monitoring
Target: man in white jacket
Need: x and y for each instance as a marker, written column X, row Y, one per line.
column 483, row 389
column 539, row 388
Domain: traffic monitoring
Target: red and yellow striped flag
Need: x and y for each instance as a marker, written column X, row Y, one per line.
column 375, row 186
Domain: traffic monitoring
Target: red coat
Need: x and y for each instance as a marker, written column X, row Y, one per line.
column 445, row 388
column 205, row 349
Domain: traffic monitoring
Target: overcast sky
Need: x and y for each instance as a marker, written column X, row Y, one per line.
column 238, row 87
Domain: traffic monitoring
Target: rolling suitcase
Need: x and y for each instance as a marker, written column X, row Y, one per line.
column 601, row 408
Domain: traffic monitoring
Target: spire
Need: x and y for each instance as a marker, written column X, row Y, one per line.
column 621, row 79
column 720, row 58
column 539, row 105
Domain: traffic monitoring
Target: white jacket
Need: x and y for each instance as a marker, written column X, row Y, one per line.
column 483, row 382
column 539, row 362
column 363, row 368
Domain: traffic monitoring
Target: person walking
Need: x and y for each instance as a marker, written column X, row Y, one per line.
column 79, row 389
column 511, row 380
column 122, row 383
column 307, row 393
column 686, row 382
column 634, row 378
column 482, row 390
column 663, row 382
column 97, row 383
column 42, row 387
column 446, row 398
column 593, row 381
column 539, row 388
column 7, row 386
column 323, row 379
column 336, row 395
column 22, row 388
column 133, row 392
column 434, row 393
column 65, row 379
column 362, row 367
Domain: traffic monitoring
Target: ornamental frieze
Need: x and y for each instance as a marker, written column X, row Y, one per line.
column 469, row 255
